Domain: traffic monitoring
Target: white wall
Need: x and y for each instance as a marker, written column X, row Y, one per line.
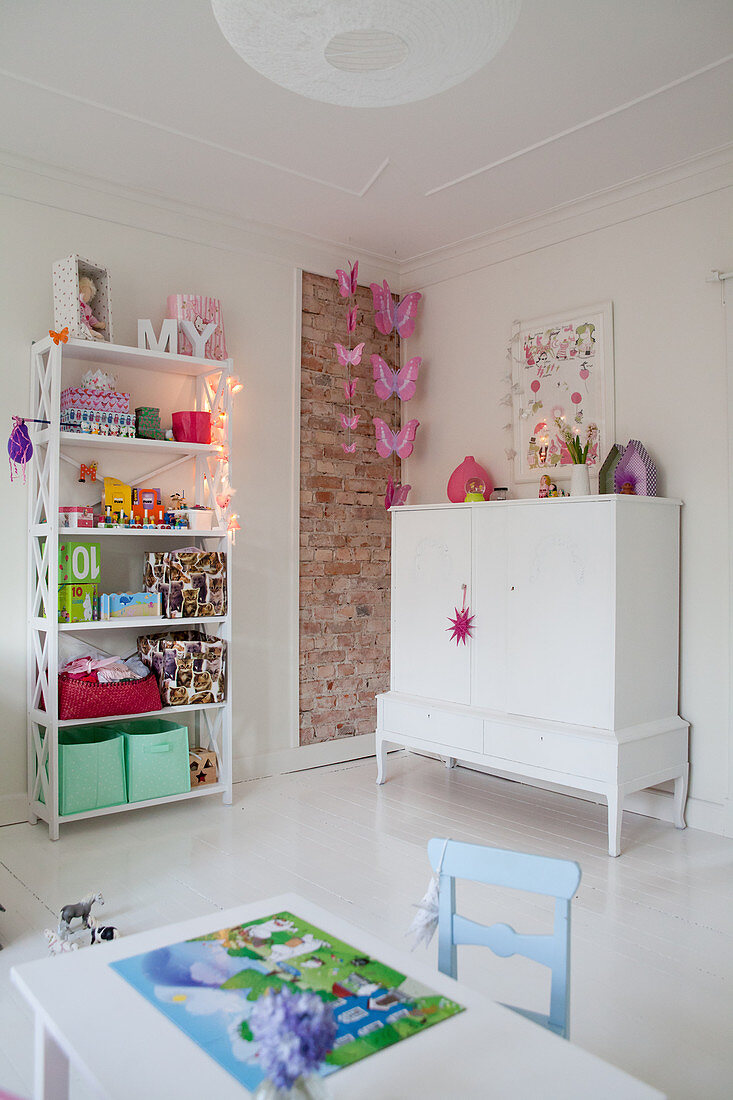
column 670, row 393
column 151, row 252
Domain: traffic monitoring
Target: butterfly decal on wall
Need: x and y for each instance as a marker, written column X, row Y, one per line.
column 347, row 283
column 57, row 337
column 349, row 448
column 350, row 389
column 402, row 382
column 388, row 316
column 399, row 443
column 349, row 422
column 394, row 496
column 349, row 356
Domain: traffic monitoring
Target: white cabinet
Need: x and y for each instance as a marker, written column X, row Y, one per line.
column 570, row 676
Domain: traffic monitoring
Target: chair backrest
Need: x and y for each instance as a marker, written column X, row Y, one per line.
column 558, row 878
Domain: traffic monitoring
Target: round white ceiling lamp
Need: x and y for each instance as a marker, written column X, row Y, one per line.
column 367, row 53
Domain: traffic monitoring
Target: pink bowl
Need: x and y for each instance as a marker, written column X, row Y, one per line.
column 192, row 427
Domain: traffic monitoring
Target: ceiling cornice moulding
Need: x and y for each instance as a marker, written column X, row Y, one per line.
column 79, row 193
column 690, row 179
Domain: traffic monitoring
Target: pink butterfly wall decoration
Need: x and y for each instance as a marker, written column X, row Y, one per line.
column 399, row 443
column 347, row 283
column 388, row 316
column 394, row 497
column 351, row 320
column 350, row 389
column 349, row 422
column 350, row 448
column 402, row 382
column 349, row 356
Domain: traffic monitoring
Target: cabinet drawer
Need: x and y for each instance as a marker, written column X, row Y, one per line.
column 569, row 754
column 455, row 731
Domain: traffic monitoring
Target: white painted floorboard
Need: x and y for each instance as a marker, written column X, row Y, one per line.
column 652, row 931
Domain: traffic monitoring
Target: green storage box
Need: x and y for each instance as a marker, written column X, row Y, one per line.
column 91, row 768
column 156, row 759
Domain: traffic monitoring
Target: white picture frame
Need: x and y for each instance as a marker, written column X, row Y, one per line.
column 562, row 364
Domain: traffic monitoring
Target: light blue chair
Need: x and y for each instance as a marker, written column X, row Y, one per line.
column 556, row 878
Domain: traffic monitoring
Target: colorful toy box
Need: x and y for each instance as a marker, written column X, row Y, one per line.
column 200, row 312
column 202, row 765
column 147, row 423
column 193, row 582
column 78, row 603
column 147, row 506
column 117, row 496
column 79, row 562
column 124, row 605
column 76, row 516
column 66, row 309
column 77, row 399
column 189, row 665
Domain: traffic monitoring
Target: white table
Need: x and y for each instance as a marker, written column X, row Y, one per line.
column 87, row 1014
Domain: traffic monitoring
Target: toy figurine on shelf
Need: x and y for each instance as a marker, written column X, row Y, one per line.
column 56, row 945
column 78, row 909
column 87, row 293
column 101, row 933
column 475, row 489
column 90, row 470
column 545, row 486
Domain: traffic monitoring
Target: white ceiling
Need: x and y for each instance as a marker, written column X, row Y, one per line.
column 585, row 95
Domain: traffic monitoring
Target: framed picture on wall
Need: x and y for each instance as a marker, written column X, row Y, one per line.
column 562, row 370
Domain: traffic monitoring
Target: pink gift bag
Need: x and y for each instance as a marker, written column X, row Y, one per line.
column 201, row 312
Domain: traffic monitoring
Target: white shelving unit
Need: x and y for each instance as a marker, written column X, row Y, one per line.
column 52, row 447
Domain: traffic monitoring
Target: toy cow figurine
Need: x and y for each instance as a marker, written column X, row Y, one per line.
column 80, row 909
column 102, row 932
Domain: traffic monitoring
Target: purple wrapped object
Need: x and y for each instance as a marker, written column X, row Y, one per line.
column 636, row 469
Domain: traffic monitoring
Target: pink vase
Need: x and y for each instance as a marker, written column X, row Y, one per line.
column 468, row 469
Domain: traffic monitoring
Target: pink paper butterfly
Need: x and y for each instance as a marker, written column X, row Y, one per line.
column 387, row 315
column 349, row 421
column 349, row 448
column 348, row 356
column 349, row 389
column 351, row 320
column 397, row 442
column 395, row 497
column 387, row 381
column 347, row 283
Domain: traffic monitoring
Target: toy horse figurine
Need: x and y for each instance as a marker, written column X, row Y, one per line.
column 80, row 909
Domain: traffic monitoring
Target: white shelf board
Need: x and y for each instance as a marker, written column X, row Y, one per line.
column 163, row 712
column 41, row 530
column 117, row 443
column 121, row 355
column 149, row 622
column 39, row 808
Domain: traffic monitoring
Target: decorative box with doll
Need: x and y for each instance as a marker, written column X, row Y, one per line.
column 81, row 299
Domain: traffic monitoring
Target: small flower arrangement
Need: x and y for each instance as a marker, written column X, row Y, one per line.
column 294, row 1033
column 578, row 453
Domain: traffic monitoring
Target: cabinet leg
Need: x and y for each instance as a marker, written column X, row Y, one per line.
column 615, row 814
column 680, row 798
column 450, row 762
column 51, row 1069
column 381, row 761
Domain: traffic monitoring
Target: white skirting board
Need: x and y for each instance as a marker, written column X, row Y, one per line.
column 13, row 808
column 303, row 757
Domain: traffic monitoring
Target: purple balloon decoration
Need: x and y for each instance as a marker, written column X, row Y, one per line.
column 20, row 448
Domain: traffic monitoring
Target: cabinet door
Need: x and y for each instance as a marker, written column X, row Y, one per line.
column 488, row 645
column 560, row 612
column 431, row 560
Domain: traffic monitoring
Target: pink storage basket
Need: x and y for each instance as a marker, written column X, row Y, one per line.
column 192, row 427
column 84, row 699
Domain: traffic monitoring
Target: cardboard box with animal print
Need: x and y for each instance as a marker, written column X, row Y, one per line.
column 189, row 665
column 192, row 582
